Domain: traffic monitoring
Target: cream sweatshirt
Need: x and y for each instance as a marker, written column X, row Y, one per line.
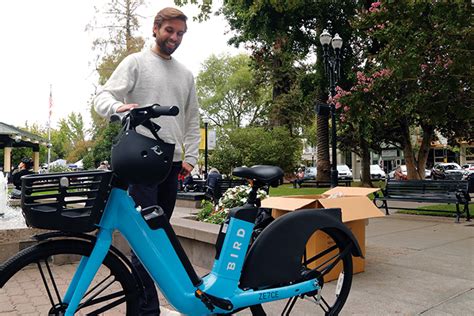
column 145, row 78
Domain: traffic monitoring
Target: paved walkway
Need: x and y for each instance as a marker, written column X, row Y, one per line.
column 414, row 265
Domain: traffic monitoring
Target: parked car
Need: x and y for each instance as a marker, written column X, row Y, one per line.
column 404, row 171
column 344, row 173
column 376, row 173
column 447, row 171
column 310, row 173
column 468, row 169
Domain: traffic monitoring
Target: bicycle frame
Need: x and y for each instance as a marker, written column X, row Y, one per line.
column 161, row 260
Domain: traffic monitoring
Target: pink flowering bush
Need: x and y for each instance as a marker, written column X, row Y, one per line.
column 361, row 94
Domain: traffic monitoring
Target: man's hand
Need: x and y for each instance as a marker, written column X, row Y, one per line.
column 126, row 107
column 186, row 169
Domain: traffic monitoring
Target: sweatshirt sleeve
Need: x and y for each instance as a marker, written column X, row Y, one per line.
column 114, row 92
column 192, row 135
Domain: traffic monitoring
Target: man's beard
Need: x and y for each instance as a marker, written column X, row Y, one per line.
column 163, row 48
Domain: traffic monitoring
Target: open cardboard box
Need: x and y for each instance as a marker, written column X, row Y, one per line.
column 356, row 209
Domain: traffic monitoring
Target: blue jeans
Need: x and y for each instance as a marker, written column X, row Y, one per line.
column 164, row 195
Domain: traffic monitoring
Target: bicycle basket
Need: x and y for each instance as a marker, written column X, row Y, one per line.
column 66, row 201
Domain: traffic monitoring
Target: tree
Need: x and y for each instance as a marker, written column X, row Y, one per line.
column 280, row 35
column 121, row 21
column 256, row 146
column 229, row 94
column 423, row 46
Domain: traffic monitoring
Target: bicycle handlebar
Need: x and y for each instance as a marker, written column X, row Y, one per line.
column 140, row 115
column 154, row 110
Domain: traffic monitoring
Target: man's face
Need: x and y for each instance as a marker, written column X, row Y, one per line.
column 169, row 36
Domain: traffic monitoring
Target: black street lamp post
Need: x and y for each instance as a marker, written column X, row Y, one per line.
column 332, row 68
column 206, row 123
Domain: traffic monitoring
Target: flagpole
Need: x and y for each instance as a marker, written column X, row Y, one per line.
column 49, row 122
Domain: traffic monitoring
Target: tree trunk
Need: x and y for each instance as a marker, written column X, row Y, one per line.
column 428, row 132
column 409, row 153
column 323, row 164
column 365, row 162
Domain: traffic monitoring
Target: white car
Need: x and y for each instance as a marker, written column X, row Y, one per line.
column 310, row 173
column 404, row 171
column 376, row 173
column 468, row 169
column 447, row 171
column 343, row 172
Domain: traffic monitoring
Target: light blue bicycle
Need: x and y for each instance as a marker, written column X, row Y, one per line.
column 249, row 270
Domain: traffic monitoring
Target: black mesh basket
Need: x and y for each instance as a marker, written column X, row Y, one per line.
column 66, row 201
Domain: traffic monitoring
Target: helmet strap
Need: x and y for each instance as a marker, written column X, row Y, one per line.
column 154, row 128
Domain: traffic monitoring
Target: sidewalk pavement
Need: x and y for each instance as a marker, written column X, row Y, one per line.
column 414, row 265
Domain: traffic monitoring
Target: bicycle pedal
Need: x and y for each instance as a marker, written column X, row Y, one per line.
column 212, row 301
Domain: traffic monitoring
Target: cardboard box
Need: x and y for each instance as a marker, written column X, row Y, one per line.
column 356, row 209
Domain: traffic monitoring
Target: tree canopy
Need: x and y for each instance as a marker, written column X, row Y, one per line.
column 229, row 93
column 419, row 75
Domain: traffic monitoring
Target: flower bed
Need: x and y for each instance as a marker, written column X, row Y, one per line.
column 233, row 197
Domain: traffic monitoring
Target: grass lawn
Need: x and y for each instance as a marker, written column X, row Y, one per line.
column 287, row 189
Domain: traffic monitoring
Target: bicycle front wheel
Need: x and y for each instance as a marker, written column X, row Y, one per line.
column 36, row 279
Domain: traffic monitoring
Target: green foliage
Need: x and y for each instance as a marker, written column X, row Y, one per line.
column 80, row 149
column 233, row 197
column 424, row 46
column 88, row 161
column 103, row 144
column 59, row 168
column 256, row 146
column 229, row 93
column 209, row 214
column 18, row 153
column 206, row 209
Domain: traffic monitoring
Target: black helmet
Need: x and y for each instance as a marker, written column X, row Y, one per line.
column 140, row 159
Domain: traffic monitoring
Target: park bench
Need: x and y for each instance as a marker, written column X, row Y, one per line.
column 426, row 191
column 316, row 183
column 222, row 185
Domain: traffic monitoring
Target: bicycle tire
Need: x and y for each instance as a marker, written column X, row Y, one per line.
column 330, row 303
column 45, row 269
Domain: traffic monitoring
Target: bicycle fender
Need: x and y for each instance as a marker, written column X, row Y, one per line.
column 275, row 256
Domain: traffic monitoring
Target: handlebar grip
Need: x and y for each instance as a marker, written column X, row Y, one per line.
column 115, row 118
column 159, row 110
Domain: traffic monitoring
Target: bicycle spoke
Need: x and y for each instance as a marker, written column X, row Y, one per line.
column 289, row 305
column 45, row 282
column 326, row 304
column 334, row 261
column 120, row 295
column 99, row 289
column 53, row 281
column 98, row 285
column 319, row 255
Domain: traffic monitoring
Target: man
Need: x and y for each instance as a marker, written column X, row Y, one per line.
column 24, row 168
column 153, row 76
column 399, row 175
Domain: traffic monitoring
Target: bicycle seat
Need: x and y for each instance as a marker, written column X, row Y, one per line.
column 266, row 174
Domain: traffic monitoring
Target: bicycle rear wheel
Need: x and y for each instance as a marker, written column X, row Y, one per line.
column 333, row 264
column 36, row 279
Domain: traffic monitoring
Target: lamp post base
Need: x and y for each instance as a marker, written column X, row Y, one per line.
column 334, row 178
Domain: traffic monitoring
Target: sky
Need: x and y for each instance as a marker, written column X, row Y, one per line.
column 44, row 43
